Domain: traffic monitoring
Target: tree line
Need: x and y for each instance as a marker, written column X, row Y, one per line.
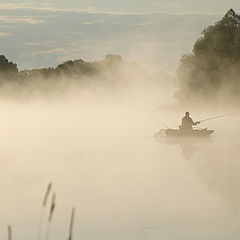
column 111, row 71
column 211, row 72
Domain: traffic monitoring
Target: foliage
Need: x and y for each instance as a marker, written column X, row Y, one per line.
column 213, row 69
column 75, row 75
column 8, row 70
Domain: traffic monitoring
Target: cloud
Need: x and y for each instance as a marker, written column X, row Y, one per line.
column 46, row 43
column 145, row 23
column 66, row 10
column 60, row 54
column 47, row 4
column 17, row 19
column 175, row 5
column 199, row 13
column 94, row 21
column 47, row 7
column 180, row 9
column 6, row 26
column 63, row 51
column 6, row 6
column 170, row 5
column 4, row 34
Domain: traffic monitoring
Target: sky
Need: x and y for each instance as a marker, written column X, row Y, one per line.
column 155, row 34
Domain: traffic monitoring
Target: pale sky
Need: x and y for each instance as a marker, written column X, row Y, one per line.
column 138, row 5
column 153, row 33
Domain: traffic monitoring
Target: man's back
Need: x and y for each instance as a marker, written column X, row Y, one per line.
column 187, row 122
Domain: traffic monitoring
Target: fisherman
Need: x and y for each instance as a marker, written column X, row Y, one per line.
column 187, row 122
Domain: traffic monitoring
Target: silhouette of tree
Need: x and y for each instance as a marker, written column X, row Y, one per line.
column 6, row 66
column 110, row 73
column 8, row 70
column 214, row 63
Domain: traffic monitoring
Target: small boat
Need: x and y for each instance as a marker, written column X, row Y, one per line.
column 184, row 133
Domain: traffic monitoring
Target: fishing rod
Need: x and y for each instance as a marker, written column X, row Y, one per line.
column 160, row 121
column 225, row 115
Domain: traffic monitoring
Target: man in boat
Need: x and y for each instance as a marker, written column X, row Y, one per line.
column 187, row 122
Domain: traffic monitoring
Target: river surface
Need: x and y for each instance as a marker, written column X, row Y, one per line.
column 123, row 187
column 123, row 183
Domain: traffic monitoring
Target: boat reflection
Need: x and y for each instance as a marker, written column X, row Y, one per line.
column 188, row 145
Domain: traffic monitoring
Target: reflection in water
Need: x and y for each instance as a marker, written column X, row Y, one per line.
column 219, row 169
column 188, row 145
column 216, row 165
column 122, row 188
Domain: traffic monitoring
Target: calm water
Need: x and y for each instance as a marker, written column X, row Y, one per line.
column 123, row 188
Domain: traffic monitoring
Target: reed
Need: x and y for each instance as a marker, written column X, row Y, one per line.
column 44, row 203
column 71, row 224
column 49, row 187
column 9, row 227
column 51, row 211
column 52, row 207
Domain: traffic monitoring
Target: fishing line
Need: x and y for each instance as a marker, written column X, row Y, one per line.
column 160, row 121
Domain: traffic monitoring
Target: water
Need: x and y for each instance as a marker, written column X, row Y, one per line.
column 123, row 187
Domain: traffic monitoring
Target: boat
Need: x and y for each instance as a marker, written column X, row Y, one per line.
column 184, row 133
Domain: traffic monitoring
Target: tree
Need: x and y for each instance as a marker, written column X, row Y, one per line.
column 214, row 64
column 8, row 70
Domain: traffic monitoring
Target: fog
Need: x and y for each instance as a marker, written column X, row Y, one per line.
column 95, row 143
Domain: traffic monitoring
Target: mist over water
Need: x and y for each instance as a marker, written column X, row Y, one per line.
column 98, row 150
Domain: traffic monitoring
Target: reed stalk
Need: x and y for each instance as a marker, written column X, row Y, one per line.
column 44, row 203
column 49, row 187
column 9, row 232
column 71, row 224
column 51, row 211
